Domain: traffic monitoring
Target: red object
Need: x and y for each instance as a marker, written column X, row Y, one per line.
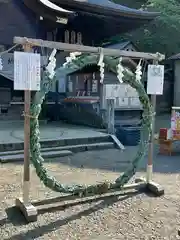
column 163, row 133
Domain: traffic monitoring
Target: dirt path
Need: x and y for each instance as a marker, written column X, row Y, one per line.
column 133, row 216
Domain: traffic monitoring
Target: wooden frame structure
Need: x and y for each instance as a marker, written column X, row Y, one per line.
column 28, row 208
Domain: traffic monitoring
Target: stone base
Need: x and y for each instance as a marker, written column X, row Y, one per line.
column 155, row 188
column 152, row 187
column 28, row 210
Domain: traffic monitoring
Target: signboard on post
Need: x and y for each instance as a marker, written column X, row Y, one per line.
column 27, row 71
column 155, row 82
column 8, row 65
column 155, row 79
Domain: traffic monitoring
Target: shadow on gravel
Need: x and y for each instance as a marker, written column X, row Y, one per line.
column 115, row 160
column 15, row 217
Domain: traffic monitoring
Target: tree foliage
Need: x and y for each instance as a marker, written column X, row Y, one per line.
column 163, row 34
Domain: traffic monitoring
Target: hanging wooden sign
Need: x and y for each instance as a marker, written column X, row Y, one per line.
column 73, row 37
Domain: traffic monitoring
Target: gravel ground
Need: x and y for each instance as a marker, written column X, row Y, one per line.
column 130, row 216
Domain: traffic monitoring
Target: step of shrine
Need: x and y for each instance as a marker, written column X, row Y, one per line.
column 19, row 157
column 58, row 142
column 57, row 148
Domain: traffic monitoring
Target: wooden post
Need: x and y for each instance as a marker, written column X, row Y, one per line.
column 24, row 204
column 27, row 103
column 110, row 116
column 153, row 187
column 26, row 183
column 151, row 143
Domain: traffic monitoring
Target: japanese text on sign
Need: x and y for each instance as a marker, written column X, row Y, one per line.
column 155, row 79
column 27, row 69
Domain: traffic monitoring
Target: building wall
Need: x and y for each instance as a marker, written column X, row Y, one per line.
column 60, row 86
column 165, row 101
column 16, row 20
column 82, row 84
column 176, row 101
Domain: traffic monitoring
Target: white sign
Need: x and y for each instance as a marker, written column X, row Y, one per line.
column 112, row 90
column 135, row 102
column 94, row 86
column 61, row 20
column 125, row 96
column 27, row 69
column 121, row 102
column 8, row 65
column 70, row 85
column 1, row 65
column 155, row 79
column 119, row 90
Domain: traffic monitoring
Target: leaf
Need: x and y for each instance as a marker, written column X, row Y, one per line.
column 163, row 34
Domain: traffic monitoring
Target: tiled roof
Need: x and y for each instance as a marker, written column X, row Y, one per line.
column 106, row 7
column 175, row 57
column 110, row 4
column 119, row 45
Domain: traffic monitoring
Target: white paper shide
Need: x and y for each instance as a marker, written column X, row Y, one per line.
column 155, row 79
column 27, row 71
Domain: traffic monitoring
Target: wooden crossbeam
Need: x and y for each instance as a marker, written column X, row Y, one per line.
column 87, row 49
column 112, row 192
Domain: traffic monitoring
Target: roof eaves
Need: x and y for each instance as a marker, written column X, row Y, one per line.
column 106, row 7
column 175, row 57
column 118, row 45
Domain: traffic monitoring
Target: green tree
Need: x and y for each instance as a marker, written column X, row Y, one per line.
column 163, row 34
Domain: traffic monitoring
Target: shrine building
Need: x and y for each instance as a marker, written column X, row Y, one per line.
column 87, row 22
